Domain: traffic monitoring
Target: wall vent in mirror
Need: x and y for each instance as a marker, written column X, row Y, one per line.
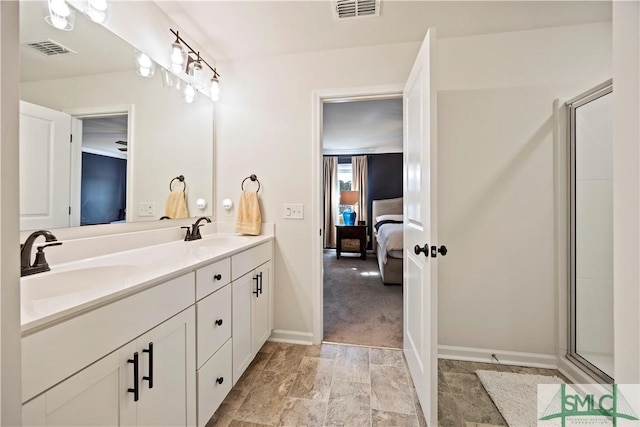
column 48, row 47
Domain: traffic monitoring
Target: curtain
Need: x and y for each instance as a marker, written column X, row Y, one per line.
column 331, row 195
column 359, row 183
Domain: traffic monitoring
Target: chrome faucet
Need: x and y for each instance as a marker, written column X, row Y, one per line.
column 194, row 233
column 40, row 264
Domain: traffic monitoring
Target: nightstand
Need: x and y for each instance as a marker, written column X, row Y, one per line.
column 355, row 232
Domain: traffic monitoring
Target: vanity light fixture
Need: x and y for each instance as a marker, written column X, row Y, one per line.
column 145, row 67
column 61, row 16
column 193, row 63
column 97, row 10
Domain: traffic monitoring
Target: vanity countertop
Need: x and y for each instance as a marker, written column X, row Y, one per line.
column 73, row 288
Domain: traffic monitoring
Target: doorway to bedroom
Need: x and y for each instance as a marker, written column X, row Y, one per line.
column 362, row 170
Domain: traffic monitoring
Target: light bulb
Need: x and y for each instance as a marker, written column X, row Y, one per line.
column 59, row 7
column 215, row 89
column 178, row 55
column 189, row 94
column 100, row 5
column 96, row 16
column 145, row 67
column 58, row 21
column 61, row 16
column 144, row 61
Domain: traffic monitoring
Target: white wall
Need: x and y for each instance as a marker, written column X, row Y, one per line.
column 10, row 363
column 626, row 191
column 496, row 153
column 170, row 137
column 264, row 127
column 496, row 179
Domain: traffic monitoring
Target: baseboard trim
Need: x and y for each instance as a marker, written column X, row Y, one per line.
column 471, row 354
column 291, row 337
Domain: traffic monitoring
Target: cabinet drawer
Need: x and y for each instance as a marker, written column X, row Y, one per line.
column 214, row 383
column 211, row 335
column 212, row 277
column 246, row 261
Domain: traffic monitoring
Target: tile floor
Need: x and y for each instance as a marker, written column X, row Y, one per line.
column 342, row 385
column 328, row 385
column 463, row 401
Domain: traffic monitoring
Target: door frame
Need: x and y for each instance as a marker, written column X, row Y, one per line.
column 76, row 154
column 318, row 98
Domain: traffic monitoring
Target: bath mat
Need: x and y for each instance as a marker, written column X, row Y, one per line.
column 515, row 395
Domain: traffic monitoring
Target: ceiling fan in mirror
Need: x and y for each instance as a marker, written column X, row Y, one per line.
column 124, row 149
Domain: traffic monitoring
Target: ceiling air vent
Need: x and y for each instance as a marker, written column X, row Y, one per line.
column 345, row 9
column 48, row 47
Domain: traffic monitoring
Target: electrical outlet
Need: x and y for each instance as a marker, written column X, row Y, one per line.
column 146, row 209
column 293, row 211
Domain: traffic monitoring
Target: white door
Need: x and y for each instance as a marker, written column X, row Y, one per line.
column 44, row 167
column 420, row 213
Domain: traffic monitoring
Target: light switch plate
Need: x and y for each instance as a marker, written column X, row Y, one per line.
column 146, row 209
column 293, row 211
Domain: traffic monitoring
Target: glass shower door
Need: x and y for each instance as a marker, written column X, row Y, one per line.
column 591, row 228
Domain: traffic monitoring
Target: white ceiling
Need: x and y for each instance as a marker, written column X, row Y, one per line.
column 240, row 29
column 362, row 127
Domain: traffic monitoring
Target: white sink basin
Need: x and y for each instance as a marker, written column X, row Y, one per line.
column 54, row 291
column 221, row 240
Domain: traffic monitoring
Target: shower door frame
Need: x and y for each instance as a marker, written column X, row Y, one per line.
column 572, row 105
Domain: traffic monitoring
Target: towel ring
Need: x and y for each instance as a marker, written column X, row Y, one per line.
column 179, row 178
column 252, row 177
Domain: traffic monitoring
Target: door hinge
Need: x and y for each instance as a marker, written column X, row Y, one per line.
column 71, row 138
column 69, row 210
column 321, row 231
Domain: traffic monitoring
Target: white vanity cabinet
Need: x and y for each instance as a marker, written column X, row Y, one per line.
column 252, row 304
column 214, row 361
column 109, row 393
column 165, row 355
column 78, row 372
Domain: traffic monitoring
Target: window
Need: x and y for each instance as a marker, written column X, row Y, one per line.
column 345, row 177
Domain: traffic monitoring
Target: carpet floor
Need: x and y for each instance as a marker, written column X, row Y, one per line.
column 358, row 308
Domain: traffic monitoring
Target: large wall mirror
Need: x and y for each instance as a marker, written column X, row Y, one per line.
column 132, row 135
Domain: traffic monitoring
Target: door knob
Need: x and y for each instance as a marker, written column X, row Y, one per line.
column 442, row 250
column 425, row 249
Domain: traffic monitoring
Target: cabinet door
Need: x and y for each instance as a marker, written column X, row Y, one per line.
column 260, row 308
column 241, row 323
column 167, row 373
column 89, row 398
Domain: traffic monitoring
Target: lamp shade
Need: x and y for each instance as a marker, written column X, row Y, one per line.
column 349, row 197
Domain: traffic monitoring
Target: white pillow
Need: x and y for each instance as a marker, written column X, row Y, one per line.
column 388, row 218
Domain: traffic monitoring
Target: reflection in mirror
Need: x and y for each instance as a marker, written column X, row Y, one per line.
column 131, row 135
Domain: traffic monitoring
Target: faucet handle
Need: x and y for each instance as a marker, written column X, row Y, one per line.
column 187, row 237
column 40, row 262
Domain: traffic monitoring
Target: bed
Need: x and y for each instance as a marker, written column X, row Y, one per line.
column 387, row 238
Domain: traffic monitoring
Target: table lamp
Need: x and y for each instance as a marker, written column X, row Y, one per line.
column 349, row 198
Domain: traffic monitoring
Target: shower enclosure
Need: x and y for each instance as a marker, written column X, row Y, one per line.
column 591, row 232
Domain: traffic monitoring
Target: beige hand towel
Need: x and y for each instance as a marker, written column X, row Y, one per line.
column 176, row 205
column 249, row 219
